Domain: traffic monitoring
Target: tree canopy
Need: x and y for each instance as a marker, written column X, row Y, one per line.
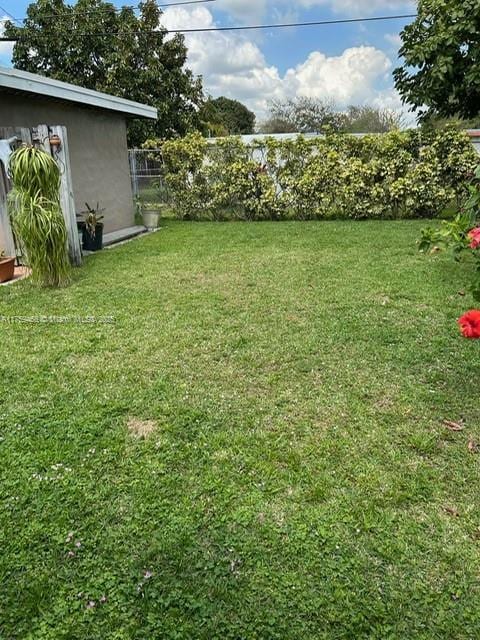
column 303, row 115
column 441, row 50
column 367, row 119
column 230, row 117
column 310, row 115
column 100, row 47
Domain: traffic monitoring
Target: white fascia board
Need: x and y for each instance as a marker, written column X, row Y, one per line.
column 33, row 83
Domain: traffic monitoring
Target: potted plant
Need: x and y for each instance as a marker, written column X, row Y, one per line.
column 151, row 212
column 7, row 267
column 92, row 228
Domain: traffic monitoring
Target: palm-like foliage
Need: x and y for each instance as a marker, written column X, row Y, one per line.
column 36, row 215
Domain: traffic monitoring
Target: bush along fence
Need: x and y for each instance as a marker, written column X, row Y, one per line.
column 397, row 175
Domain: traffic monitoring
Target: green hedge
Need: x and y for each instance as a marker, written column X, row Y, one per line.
column 397, row 175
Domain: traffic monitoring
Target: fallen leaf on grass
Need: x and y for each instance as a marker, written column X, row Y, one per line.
column 453, row 426
column 473, row 446
column 451, row 511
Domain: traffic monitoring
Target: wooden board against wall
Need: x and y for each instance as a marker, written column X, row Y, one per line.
column 24, row 135
column 67, row 202
column 8, row 243
column 6, row 236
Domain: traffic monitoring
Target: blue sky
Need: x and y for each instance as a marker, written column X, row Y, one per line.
column 345, row 64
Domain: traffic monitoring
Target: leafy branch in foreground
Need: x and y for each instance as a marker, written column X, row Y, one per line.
column 440, row 74
column 462, row 236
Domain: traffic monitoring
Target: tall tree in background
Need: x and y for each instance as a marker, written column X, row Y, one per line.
column 274, row 124
column 309, row 115
column 231, row 116
column 441, row 71
column 304, row 115
column 366, row 119
column 97, row 46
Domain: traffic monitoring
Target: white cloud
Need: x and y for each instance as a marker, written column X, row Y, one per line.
column 394, row 40
column 390, row 99
column 361, row 7
column 230, row 64
column 244, row 10
column 234, row 66
column 254, row 10
column 345, row 79
column 213, row 53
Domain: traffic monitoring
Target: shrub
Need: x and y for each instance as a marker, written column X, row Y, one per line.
column 462, row 234
column 395, row 175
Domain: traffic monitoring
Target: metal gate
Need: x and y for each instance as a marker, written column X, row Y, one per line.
column 146, row 174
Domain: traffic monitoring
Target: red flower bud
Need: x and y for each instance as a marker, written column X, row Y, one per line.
column 474, row 236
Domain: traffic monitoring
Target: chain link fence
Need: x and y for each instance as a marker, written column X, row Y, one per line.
column 146, row 173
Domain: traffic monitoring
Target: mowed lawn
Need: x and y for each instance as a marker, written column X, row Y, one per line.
column 296, row 479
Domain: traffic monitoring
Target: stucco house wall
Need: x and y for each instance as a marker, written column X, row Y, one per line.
column 98, row 150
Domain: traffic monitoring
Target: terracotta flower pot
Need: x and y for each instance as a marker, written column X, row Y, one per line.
column 7, row 269
column 55, row 141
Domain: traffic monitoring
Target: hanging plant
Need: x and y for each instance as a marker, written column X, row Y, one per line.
column 36, row 215
column 34, row 171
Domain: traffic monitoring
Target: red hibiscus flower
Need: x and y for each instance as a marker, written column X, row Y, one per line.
column 474, row 237
column 470, row 324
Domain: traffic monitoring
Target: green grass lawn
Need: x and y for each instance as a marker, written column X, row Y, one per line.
column 298, row 481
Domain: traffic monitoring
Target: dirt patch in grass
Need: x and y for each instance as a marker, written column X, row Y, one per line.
column 141, row 428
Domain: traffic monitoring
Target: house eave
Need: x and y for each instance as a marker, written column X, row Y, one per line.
column 26, row 82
